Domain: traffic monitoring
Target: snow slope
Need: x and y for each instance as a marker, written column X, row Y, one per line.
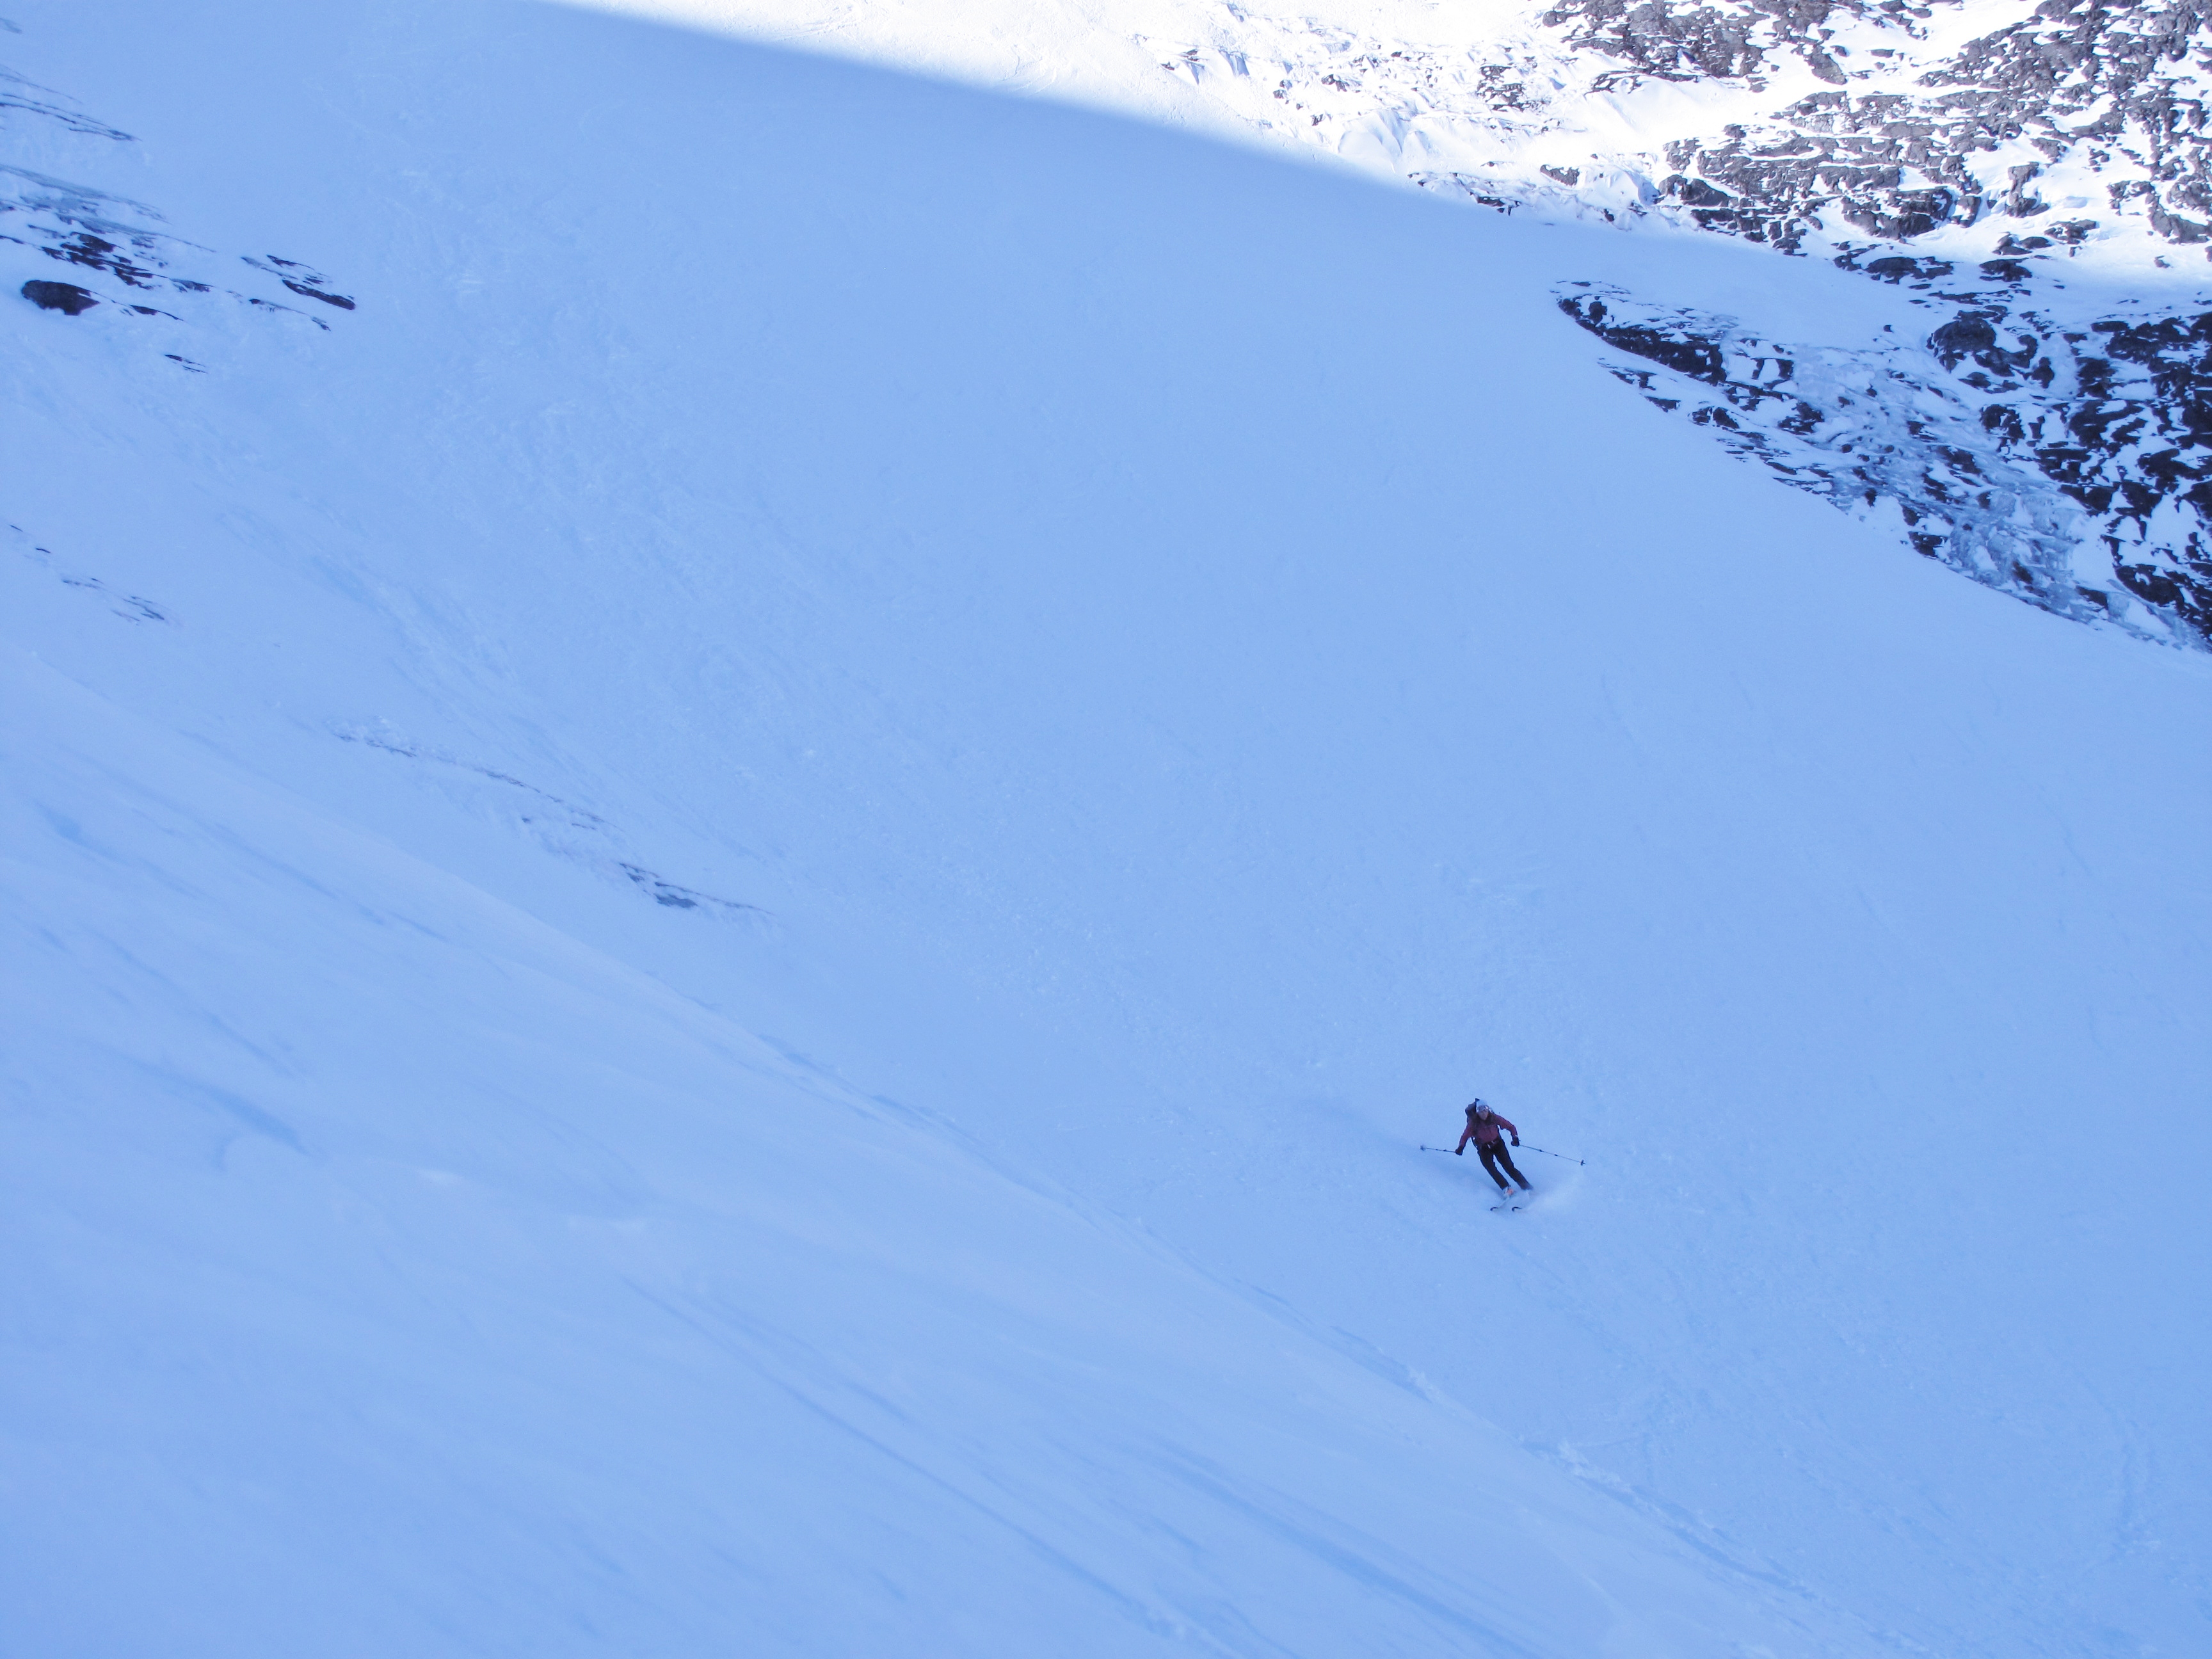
column 2031, row 177
column 733, row 920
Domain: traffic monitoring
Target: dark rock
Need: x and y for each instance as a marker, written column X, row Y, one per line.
column 338, row 300
column 65, row 297
column 1968, row 333
column 1684, row 352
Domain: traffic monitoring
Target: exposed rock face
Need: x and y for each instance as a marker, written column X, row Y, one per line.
column 2108, row 91
column 2053, row 465
column 1700, row 43
column 2133, row 444
column 1995, row 162
column 65, row 297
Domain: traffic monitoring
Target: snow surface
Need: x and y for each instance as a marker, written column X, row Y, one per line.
column 731, row 925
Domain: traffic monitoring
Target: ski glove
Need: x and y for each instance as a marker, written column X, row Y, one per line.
column 1516, row 1140
column 1459, row 1151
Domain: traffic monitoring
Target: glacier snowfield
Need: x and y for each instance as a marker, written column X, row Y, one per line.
column 733, row 913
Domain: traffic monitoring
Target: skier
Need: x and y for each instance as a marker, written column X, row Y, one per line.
column 1488, row 1130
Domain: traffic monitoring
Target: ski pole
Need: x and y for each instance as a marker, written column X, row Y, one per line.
column 1436, row 1149
column 1552, row 1154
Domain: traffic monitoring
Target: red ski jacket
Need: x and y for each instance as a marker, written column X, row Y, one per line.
column 1485, row 1131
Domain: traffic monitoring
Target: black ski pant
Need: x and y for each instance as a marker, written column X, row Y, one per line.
column 1494, row 1154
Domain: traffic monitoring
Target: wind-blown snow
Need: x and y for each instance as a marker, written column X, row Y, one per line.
column 731, row 925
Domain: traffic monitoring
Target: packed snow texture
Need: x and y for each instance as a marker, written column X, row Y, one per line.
column 734, row 912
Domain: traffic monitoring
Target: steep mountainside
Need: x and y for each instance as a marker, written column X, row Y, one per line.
column 2033, row 175
column 754, row 811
